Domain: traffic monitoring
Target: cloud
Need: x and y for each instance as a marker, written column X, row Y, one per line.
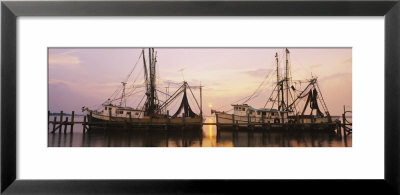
column 334, row 76
column 261, row 72
column 315, row 66
column 63, row 60
column 347, row 61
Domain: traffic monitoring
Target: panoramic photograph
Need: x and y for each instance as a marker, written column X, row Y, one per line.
column 199, row 97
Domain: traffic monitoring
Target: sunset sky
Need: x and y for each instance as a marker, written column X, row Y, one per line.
column 88, row 76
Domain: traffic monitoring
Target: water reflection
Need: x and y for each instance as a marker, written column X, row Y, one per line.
column 206, row 137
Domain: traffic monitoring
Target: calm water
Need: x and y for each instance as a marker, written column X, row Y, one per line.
column 207, row 137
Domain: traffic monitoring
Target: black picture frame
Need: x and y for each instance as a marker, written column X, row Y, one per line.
column 11, row 10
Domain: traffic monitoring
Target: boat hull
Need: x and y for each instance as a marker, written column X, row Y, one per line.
column 96, row 120
column 227, row 121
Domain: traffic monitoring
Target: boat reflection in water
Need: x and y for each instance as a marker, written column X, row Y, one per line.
column 208, row 136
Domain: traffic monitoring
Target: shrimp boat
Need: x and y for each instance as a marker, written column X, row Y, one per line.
column 283, row 106
column 154, row 111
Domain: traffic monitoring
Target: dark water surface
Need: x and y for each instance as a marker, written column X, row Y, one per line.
column 207, row 137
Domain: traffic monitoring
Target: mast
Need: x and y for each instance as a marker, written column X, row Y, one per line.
column 123, row 95
column 152, row 80
column 150, row 105
column 287, row 79
column 151, row 98
column 201, row 102
column 277, row 80
column 146, row 77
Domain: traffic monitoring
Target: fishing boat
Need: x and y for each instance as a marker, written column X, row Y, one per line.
column 154, row 111
column 285, row 105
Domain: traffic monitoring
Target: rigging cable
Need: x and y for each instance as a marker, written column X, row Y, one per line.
column 258, row 88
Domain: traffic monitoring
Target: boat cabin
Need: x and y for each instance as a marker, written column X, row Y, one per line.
column 125, row 112
column 244, row 110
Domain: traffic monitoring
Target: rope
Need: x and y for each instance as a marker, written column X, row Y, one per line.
column 258, row 88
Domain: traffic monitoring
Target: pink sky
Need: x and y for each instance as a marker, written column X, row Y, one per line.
column 88, row 76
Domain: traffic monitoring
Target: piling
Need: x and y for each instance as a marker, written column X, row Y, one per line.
column 72, row 121
column 168, row 122
column 183, row 120
column 90, row 119
column 84, row 124
column 48, row 119
column 339, row 128
column 61, row 119
column 344, row 127
column 233, row 120
column 54, row 124
column 248, row 120
column 216, row 121
column 252, row 125
column 65, row 125
column 263, row 119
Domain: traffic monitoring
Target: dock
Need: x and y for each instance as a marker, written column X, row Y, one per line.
column 63, row 122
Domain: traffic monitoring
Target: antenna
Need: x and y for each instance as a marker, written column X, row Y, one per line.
column 181, row 70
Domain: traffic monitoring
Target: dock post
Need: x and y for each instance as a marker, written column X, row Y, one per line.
column 48, row 121
column 262, row 119
column 344, row 126
column 54, row 124
column 109, row 117
column 339, row 128
column 90, row 120
column 61, row 120
column 248, row 120
column 216, row 121
column 253, row 125
column 183, row 121
column 344, row 122
column 84, row 124
column 168, row 121
column 65, row 125
column 72, row 121
column 130, row 117
column 233, row 120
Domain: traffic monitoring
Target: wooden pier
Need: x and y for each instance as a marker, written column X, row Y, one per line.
column 61, row 122
column 344, row 127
